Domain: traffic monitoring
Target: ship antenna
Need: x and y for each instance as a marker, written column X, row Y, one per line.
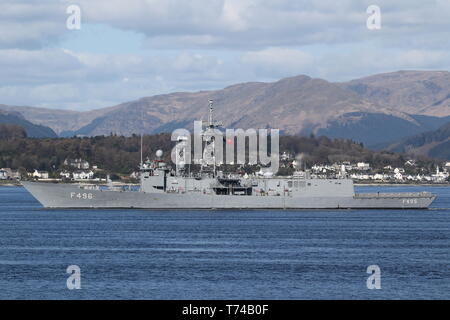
column 211, row 111
column 142, row 135
column 142, row 142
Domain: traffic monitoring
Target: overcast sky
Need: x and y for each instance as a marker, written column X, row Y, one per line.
column 135, row 48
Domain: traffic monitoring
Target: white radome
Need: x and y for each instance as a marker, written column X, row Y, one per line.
column 159, row 153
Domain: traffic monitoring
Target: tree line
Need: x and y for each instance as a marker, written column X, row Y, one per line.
column 121, row 155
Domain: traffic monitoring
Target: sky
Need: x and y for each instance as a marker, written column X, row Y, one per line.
column 125, row 50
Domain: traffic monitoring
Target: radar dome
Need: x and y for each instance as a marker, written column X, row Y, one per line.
column 159, row 153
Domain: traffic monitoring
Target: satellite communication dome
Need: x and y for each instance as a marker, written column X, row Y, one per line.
column 159, row 153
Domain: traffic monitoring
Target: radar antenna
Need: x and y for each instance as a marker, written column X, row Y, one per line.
column 211, row 114
column 142, row 136
column 211, row 123
column 209, row 157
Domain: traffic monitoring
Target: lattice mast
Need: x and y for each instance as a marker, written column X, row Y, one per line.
column 209, row 155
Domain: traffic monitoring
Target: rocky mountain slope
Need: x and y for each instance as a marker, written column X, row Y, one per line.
column 413, row 92
column 32, row 130
column 58, row 120
column 293, row 105
column 434, row 144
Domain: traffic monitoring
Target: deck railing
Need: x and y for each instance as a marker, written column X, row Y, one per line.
column 394, row 195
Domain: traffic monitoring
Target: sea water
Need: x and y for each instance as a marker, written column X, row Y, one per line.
column 229, row 254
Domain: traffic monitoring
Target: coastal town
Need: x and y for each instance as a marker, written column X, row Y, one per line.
column 73, row 170
column 363, row 172
column 411, row 172
column 80, row 170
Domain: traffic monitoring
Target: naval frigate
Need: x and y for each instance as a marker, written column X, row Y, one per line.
column 162, row 187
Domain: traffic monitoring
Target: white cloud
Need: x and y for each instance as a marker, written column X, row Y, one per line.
column 279, row 61
column 261, row 23
column 62, row 78
column 345, row 65
column 22, row 67
column 65, row 79
column 234, row 24
column 205, row 44
column 31, row 24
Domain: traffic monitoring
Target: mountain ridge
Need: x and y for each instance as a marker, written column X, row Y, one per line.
column 296, row 105
column 434, row 144
column 32, row 130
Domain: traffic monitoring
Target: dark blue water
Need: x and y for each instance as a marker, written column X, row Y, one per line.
column 223, row 254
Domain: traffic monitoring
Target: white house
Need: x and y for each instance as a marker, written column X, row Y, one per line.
column 40, row 174
column 135, row 175
column 77, row 163
column 398, row 173
column 380, row 176
column 363, row 166
column 359, row 176
column 399, row 170
column 439, row 176
column 65, row 174
column 8, row 173
column 83, row 175
column 3, row 175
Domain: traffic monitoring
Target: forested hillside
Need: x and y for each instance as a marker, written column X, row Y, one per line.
column 118, row 154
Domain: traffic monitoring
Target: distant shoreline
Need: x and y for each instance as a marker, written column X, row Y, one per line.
column 9, row 184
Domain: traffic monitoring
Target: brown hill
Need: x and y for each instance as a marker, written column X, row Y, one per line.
column 295, row 105
column 292, row 104
column 57, row 119
column 434, row 144
column 413, row 92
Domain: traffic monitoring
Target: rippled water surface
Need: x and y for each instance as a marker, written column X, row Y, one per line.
column 138, row 254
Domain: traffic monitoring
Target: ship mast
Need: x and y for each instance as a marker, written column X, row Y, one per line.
column 142, row 136
column 211, row 114
column 209, row 157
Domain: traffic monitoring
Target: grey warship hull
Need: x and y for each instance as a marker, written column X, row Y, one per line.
column 53, row 195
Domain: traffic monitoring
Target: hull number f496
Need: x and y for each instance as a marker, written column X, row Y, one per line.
column 81, row 195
